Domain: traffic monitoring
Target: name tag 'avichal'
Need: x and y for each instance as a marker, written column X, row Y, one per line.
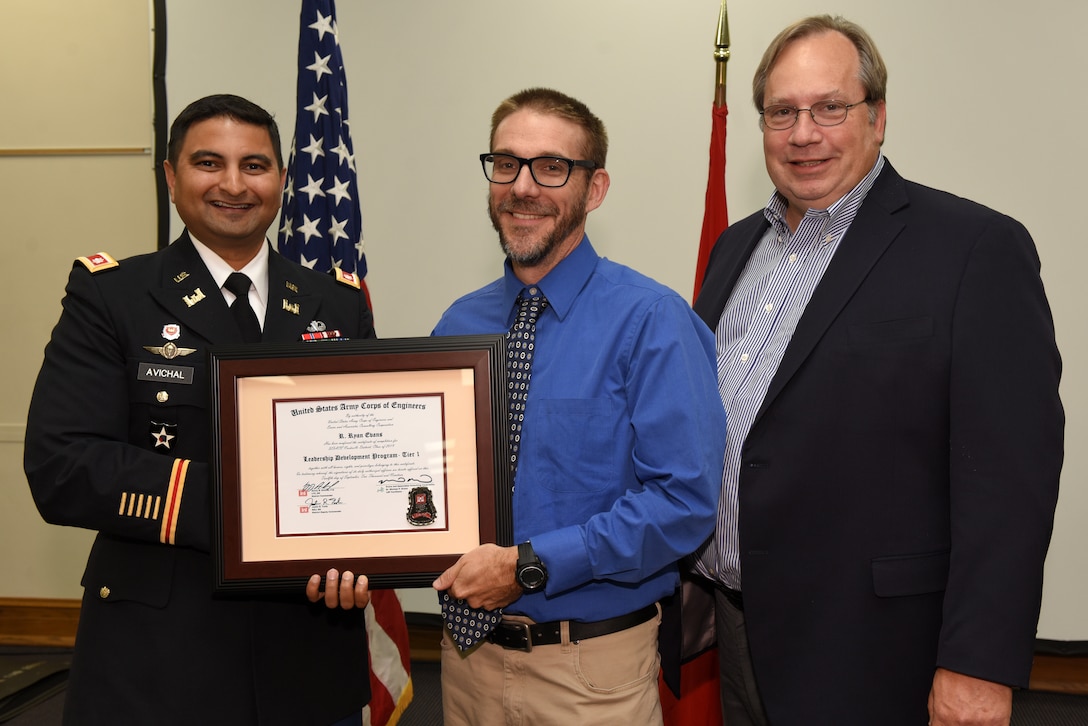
column 162, row 373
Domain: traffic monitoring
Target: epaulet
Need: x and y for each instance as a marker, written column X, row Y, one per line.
column 98, row 262
column 347, row 278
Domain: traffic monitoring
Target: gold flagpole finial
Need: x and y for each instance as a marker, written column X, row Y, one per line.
column 721, row 55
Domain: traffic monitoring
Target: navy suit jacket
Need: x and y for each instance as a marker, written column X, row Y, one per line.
column 898, row 485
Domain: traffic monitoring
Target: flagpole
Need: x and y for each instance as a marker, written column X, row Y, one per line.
column 721, row 55
column 689, row 689
column 715, row 212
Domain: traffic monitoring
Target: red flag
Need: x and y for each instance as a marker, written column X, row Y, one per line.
column 689, row 620
column 715, row 210
column 699, row 703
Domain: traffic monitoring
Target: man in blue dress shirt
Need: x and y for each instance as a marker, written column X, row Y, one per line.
column 620, row 450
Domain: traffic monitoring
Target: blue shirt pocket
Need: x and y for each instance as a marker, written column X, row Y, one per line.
column 576, row 443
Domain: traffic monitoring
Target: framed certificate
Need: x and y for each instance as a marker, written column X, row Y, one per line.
column 383, row 457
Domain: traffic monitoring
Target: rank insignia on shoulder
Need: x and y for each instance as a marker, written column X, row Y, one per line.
column 347, row 278
column 98, row 262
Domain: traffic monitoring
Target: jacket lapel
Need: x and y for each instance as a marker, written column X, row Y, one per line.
column 188, row 291
column 722, row 275
column 869, row 236
column 291, row 306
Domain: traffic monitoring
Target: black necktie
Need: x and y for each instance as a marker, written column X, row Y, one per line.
column 241, row 310
column 469, row 625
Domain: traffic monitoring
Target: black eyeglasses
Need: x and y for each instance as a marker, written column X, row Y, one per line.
column 547, row 171
column 824, row 113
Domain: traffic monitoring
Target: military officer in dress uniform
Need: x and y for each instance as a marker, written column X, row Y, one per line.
column 118, row 441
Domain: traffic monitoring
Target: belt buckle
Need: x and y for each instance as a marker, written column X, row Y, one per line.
column 511, row 625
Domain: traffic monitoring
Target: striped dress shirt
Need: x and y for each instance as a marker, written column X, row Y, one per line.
column 751, row 337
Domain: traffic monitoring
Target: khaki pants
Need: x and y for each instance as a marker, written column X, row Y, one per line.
column 608, row 680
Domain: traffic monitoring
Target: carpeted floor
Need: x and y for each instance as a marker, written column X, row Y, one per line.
column 1038, row 708
column 426, row 706
column 1030, row 708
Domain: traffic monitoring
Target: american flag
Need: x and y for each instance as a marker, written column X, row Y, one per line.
column 321, row 224
column 321, row 227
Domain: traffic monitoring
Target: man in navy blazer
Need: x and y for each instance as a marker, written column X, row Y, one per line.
column 886, row 354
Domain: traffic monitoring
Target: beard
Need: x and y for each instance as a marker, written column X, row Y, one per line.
column 521, row 248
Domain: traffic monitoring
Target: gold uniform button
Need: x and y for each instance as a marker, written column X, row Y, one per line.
column 162, row 396
column 104, row 592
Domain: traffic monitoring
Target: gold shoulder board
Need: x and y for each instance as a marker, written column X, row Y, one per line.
column 347, row 278
column 98, row 262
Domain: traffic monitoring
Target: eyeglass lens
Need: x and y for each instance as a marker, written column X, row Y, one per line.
column 824, row 113
column 547, row 171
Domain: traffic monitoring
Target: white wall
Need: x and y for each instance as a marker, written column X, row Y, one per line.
column 58, row 202
column 974, row 89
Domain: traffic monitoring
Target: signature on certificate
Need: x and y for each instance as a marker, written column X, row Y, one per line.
column 421, row 479
column 320, row 486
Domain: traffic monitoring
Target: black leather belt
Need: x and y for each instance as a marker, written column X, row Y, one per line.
column 523, row 636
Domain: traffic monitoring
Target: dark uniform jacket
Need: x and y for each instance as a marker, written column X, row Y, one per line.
column 898, row 484
column 118, row 441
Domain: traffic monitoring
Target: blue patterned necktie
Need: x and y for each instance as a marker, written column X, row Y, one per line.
column 520, row 344
column 468, row 625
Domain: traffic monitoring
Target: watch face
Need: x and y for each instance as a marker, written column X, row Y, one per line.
column 530, row 573
column 531, row 577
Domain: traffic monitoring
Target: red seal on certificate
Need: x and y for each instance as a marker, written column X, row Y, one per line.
column 421, row 510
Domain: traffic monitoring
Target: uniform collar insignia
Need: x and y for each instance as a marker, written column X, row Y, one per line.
column 191, row 300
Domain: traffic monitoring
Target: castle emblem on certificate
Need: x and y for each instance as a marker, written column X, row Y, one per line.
column 421, row 511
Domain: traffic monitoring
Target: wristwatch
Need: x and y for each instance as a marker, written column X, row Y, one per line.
column 530, row 572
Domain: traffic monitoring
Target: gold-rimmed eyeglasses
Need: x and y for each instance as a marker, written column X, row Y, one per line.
column 824, row 113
